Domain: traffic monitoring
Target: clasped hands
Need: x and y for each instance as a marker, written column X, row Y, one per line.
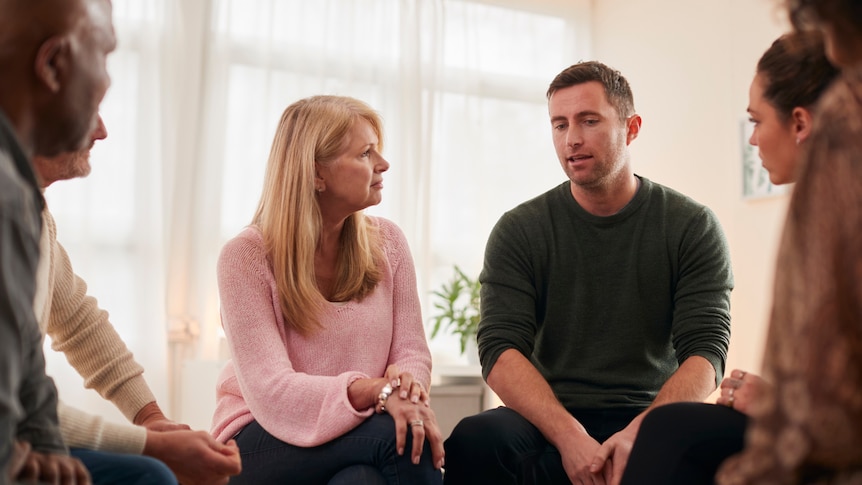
column 587, row 462
column 195, row 457
column 410, row 408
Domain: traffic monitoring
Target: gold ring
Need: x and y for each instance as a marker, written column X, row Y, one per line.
column 417, row 422
column 730, row 402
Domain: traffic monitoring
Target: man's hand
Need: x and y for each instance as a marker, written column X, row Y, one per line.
column 151, row 417
column 50, row 468
column 613, row 455
column 194, row 456
column 20, row 452
column 577, row 454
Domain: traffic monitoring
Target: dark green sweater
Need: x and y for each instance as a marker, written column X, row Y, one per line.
column 607, row 307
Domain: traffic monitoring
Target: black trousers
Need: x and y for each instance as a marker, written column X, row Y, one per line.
column 684, row 444
column 500, row 447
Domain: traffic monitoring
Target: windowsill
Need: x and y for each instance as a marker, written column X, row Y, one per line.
column 456, row 374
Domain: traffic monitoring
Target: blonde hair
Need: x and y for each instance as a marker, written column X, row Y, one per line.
column 313, row 131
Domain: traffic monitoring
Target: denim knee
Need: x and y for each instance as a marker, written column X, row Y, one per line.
column 153, row 471
column 365, row 474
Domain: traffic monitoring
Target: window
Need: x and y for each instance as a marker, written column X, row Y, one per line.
column 198, row 88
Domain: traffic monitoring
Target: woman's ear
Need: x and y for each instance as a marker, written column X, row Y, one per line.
column 801, row 119
column 319, row 183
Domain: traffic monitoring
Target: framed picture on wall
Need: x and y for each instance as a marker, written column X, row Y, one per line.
column 755, row 178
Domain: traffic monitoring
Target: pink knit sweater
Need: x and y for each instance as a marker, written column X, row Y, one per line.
column 295, row 386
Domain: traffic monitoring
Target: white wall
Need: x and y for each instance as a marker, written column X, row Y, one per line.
column 690, row 63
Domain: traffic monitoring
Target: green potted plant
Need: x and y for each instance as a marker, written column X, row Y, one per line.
column 457, row 305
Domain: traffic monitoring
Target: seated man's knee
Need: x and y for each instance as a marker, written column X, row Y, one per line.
column 494, row 433
column 488, row 448
column 472, row 432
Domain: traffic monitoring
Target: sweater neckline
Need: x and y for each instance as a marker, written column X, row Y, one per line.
column 631, row 207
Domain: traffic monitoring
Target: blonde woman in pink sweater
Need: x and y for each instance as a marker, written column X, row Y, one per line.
column 330, row 370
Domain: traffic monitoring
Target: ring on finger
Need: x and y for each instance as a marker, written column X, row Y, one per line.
column 417, row 422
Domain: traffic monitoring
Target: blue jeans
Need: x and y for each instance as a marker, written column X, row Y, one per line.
column 124, row 469
column 365, row 454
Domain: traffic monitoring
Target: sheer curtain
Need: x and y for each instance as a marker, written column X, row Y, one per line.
column 198, row 88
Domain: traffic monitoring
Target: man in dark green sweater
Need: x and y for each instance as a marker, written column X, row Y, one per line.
column 601, row 298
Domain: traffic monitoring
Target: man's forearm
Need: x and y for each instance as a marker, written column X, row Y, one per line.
column 523, row 389
column 693, row 381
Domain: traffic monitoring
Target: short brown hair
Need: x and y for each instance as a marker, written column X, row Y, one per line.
column 617, row 89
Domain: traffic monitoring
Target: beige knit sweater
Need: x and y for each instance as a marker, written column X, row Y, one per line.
column 81, row 330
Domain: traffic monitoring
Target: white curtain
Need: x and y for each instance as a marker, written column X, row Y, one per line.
column 198, row 87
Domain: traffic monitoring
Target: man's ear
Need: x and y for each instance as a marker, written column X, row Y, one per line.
column 633, row 127
column 52, row 60
column 801, row 119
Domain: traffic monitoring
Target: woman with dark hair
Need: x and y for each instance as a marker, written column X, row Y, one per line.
column 684, row 443
column 807, row 428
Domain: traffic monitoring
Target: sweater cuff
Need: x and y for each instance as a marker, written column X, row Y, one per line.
column 717, row 364
column 83, row 430
column 351, row 378
column 132, row 397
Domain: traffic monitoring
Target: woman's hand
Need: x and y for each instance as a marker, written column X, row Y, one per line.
column 741, row 391
column 419, row 419
column 408, row 387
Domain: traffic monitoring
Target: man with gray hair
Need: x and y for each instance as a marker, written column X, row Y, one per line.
column 52, row 78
